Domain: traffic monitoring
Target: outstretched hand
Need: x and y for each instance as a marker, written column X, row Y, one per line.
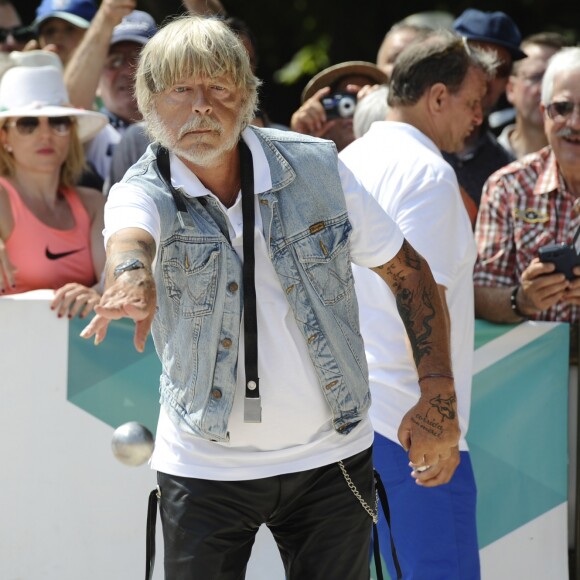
column 132, row 296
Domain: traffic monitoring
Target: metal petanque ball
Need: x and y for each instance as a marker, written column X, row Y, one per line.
column 132, row 443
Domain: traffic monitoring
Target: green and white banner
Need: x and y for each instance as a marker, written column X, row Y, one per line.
column 84, row 512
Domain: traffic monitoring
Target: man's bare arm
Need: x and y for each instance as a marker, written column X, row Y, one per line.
column 420, row 306
column 430, row 429
column 131, row 294
column 494, row 304
column 539, row 288
column 84, row 69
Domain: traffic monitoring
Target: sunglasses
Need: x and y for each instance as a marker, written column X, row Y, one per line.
column 561, row 110
column 28, row 125
column 18, row 33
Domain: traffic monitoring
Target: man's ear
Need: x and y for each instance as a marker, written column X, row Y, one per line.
column 509, row 90
column 437, row 98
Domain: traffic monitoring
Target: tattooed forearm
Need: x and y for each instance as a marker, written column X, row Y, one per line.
column 415, row 293
column 417, row 312
column 126, row 245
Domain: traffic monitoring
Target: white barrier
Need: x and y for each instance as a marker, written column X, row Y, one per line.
column 71, row 511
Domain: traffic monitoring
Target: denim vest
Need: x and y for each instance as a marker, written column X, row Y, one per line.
column 199, row 285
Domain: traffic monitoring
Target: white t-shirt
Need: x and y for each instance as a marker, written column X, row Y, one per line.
column 99, row 150
column 405, row 172
column 296, row 431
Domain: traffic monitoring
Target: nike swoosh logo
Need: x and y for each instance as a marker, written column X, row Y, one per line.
column 60, row 255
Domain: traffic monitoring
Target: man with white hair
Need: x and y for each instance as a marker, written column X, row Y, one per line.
column 529, row 204
column 526, row 206
column 265, row 422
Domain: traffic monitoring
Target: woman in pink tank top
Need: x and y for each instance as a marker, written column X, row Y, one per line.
column 50, row 230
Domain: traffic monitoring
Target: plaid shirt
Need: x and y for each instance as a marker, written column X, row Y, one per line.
column 524, row 206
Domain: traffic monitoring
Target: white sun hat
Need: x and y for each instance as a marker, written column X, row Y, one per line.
column 39, row 91
column 35, row 58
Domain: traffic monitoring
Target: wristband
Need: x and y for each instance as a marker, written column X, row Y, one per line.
column 514, row 302
column 436, row 376
column 127, row 266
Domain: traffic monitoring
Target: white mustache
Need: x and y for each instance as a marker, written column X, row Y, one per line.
column 568, row 132
column 200, row 124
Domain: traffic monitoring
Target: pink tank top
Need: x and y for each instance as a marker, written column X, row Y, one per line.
column 45, row 257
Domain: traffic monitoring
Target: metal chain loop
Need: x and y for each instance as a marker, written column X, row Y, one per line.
column 374, row 514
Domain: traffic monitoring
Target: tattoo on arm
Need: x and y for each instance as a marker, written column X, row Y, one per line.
column 414, row 302
column 139, row 249
column 446, row 409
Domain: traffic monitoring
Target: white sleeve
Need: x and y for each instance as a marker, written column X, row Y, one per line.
column 375, row 237
column 130, row 207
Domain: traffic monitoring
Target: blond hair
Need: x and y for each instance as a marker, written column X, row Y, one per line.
column 193, row 46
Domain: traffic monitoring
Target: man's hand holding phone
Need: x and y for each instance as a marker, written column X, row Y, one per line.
column 541, row 287
column 566, row 261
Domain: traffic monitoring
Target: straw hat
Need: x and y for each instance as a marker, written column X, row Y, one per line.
column 332, row 74
column 39, row 91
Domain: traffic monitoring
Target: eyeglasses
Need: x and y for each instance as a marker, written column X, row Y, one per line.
column 561, row 110
column 28, row 125
column 18, row 33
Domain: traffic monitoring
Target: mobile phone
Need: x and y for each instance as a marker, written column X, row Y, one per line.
column 563, row 256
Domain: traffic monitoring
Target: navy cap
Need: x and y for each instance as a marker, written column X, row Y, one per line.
column 493, row 27
column 77, row 12
column 138, row 26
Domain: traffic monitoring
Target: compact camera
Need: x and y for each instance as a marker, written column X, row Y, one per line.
column 339, row 105
column 563, row 256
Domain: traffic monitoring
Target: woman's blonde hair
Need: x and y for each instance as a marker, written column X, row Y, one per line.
column 71, row 169
column 193, row 46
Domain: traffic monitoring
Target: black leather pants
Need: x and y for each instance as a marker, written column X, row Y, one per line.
column 320, row 527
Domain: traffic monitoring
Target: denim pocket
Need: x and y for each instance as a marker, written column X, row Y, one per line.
column 190, row 274
column 325, row 256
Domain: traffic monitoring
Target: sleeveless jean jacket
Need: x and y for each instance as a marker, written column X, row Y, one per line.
column 199, row 285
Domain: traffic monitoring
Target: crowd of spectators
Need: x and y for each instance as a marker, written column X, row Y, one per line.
column 70, row 128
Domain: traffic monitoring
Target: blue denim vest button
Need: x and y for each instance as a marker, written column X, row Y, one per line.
column 227, row 342
column 233, row 287
column 216, row 394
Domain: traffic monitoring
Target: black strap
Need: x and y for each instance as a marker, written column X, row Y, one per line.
column 163, row 165
column 150, row 537
column 252, row 403
column 377, row 553
column 386, row 510
column 252, row 409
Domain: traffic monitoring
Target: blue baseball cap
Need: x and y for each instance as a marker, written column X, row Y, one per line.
column 138, row 26
column 493, row 27
column 77, row 12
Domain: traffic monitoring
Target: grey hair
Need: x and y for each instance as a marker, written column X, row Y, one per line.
column 373, row 107
column 565, row 60
column 194, row 46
